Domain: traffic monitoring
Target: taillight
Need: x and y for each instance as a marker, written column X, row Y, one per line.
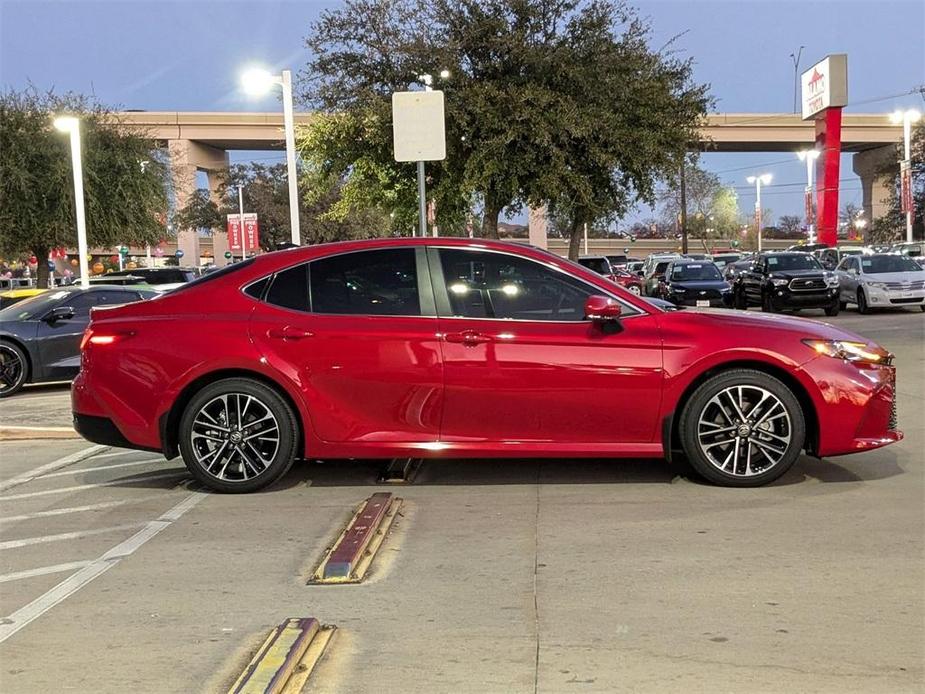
column 102, row 337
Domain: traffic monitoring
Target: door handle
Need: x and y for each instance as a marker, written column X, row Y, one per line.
column 288, row 333
column 467, row 337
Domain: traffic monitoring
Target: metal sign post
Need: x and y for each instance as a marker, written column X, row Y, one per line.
column 419, row 134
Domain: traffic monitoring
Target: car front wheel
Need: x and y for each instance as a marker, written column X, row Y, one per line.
column 742, row 428
column 863, row 308
column 634, row 289
column 13, row 369
column 238, row 435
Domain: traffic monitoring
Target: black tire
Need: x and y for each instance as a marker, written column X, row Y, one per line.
column 740, row 301
column 842, row 305
column 14, row 369
column 767, row 303
column 701, row 404
column 863, row 308
column 833, row 309
column 267, row 463
column 922, row 307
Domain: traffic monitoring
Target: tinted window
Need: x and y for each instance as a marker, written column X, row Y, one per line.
column 256, row 289
column 290, row 288
column 888, row 263
column 84, row 302
column 380, row 283
column 599, row 265
column 494, row 285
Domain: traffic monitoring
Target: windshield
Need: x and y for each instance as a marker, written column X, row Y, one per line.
column 797, row 261
column 692, row 272
column 877, row 264
column 599, row 265
column 33, row 307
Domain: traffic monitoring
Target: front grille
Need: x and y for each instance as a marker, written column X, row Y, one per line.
column 805, row 285
column 905, row 286
column 913, row 300
column 894, row 421
column 702, row 294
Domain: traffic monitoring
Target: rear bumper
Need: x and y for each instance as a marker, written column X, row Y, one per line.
column 103, row 430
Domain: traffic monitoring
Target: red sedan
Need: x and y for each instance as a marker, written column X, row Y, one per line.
column 445, row 348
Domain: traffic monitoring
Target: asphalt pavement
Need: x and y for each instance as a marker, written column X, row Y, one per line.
column 117, row 574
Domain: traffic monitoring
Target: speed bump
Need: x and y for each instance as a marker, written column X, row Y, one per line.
column 348, row 560
column 286, row 659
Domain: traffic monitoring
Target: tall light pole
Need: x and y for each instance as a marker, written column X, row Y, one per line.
column 257, row 81
column 758, row 180
column 70, row 125
column 795, row 57
column 907, row 118
column 809, row 156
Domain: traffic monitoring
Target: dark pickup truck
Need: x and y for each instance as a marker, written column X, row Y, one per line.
column 787, row 281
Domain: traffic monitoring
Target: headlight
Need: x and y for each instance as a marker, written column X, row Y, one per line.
column 779, row 282
column 851, row 351
column 831, row 279
column 877, row 285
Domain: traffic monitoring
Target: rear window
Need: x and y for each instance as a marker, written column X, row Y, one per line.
column 221, row 272
column 598, row 265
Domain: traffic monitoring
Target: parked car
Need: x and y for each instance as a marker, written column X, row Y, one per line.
column 9, row 283
column 162, row 279
column 635, row 267
column 698, row 256
column 829, row 258
column 807, row 247
column 915, row 249
column 732, row 270
column 597, row 263
column 787, row 281
column 723, row 259
column 881, row 281
column 654, row 271
column 617, row 261
column 695, row 283
column 40, row 336
column 449, row 348
column 629, row 281
column 14, row 296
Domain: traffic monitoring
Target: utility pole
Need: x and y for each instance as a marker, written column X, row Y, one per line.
column 796, row 78
column 683, row 207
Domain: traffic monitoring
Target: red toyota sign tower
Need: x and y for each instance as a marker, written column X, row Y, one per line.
column 825, row 92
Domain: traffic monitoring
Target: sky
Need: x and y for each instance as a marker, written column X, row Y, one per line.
column 187, row 56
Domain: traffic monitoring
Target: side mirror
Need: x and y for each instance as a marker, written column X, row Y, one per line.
column 602, row 309
column 60, row 313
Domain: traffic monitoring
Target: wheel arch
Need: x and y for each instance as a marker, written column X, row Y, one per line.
column 169, row 424
column 22, row 348
column 671, row 440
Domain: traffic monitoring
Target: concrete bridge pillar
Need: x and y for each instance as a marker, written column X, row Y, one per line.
column 537, row 223
column 876, row 168
column 186, row 158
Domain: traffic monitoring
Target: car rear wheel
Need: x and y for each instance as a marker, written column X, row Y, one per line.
column 238, row 435
column 862, row 302
column 634, row 288
column 13, row 369
column 742, row 428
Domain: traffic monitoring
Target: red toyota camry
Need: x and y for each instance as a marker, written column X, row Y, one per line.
column 458, row 348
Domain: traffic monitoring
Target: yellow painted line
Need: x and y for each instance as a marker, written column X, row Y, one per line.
column 286, row 658
column 362, row 566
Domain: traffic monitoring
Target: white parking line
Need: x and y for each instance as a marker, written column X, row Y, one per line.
column 43, row 571
column 35, row 609
column 76, row 535
column 102, row 467
column 78, row 509
column 115, row 483
column 113, row 455
column 53, row 465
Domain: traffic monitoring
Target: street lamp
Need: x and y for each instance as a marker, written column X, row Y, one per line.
column 256, row 82
column 809, row 156
column 907, row 118
column 758, row 180
column 70, row 125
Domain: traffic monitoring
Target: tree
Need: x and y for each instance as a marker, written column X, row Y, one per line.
column 891, row 227
column 265, row 191
column 791, row 226
column 124, row 178
column 543, row 100
column 712, row 208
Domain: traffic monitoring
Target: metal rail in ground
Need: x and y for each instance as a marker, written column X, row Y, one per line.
column 287, row 657
column 400, row 471
column 350, row 557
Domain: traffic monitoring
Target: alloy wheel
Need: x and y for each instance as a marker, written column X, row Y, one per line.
column 12, row 370
column 744, row 430
column 234, row 437
column 635, row 289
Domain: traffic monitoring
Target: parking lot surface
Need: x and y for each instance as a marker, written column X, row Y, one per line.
column 117, row 574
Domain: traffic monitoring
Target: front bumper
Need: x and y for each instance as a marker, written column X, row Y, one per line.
column 882, row 298
column 784, row 297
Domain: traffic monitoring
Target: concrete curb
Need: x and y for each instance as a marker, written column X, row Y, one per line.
column 8, row 433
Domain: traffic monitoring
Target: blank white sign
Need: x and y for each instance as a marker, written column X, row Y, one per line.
column 418, row 126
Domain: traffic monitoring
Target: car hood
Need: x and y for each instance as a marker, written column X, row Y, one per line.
column 723, row 319
column 908, row 276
